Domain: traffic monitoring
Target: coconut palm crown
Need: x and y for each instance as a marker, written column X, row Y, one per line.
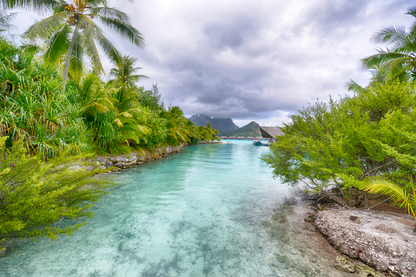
column 401, row 57
column 70, row 32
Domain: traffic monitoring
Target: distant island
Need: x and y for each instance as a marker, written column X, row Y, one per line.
column 226, row 126
column 223, row 125
column 250, row 130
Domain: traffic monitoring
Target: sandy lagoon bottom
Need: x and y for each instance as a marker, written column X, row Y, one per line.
column 212, row 210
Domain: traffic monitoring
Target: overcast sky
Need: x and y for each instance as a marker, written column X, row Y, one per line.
column 251, row 60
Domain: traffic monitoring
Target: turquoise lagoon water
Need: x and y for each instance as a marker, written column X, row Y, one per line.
column 198, row 213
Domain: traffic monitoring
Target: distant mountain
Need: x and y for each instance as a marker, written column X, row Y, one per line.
column 250, row 130
column 223, row 125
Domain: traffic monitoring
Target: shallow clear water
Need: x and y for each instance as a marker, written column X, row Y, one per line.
column 197, row 213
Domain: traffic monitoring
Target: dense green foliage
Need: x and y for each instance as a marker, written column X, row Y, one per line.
column 46, row 127
column 364, row 143
column 346, row 143
column 34, row 195
column 89, row 115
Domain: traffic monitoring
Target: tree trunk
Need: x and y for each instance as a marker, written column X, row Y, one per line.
column 68, row 55
column 365, row 200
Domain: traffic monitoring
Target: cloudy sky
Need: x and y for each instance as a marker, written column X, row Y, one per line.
column 250, row 60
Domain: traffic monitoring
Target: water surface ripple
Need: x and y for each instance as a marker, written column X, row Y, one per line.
column 197, row 213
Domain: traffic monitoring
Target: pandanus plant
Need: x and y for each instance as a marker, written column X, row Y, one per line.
column 404, row 196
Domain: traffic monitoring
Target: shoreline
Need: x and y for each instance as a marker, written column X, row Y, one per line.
column 124, row 161
column 384, row 240
column 368, row 242
column 295, row 221
column 331, row 229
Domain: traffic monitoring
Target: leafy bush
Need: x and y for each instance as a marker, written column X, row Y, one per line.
column 345, row 143
column 35, row 194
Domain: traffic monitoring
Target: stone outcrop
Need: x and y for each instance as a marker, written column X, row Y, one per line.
column 383, row 240
column 128, row 160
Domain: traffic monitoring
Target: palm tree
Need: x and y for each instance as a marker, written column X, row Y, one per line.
column 178, row 128
column 401, row 58
column 71, row 32
column 124, row 73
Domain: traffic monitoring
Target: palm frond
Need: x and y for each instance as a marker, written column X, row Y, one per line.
column 97, row 2
column 41, row 6
column 125, row 114
column 411, row 11
column 76, row 60
column 45, row 28
column 124, row 29
column 110, row 13
column 89, row 43
column 106, row 45
column 5, row 19
column 353, row 86
column 381, row 57
column 399, row 64
column 118, row 122
column 58, row 45
column 391, row 34
column 397, row 193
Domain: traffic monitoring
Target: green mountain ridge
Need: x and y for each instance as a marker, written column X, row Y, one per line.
column 250, row 130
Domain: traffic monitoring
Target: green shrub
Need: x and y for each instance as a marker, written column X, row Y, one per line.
column 35, row 194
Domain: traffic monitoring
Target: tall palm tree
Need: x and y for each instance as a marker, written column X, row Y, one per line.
column 401, row 58
column 71, row 32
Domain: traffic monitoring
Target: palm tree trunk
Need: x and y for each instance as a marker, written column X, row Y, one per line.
column 68, row 55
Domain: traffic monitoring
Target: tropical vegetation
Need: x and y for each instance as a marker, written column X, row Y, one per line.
column 359, row 144
column 35, row 194
column 54, row 116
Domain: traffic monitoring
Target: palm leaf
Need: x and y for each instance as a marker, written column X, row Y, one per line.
column 381, row 57
column 412, row 11
column 97, row 2
column 124, row 29
column 353, row 86
column 118, row 123
column 125, row 114
column 89, row 43
column 37, row 5
column 45, row 28
column 106, row 45
column 110, row 12
column 391, row 34
column 58, row 45
column 397, row 193
column 76, row 60
column 398, row 65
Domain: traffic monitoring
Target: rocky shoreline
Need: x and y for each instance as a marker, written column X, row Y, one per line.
column 122, row 161
column 384, row 240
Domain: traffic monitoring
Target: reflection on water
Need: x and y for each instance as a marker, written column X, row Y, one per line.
column 207, row 211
